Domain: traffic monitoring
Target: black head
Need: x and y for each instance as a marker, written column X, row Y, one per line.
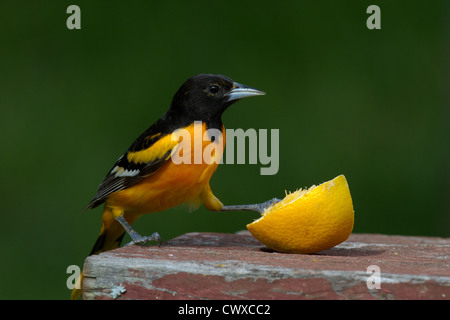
column 205, row 97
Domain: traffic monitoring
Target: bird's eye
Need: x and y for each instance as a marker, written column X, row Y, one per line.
column 213, row 89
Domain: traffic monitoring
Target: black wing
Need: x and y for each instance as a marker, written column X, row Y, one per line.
column 125, row 173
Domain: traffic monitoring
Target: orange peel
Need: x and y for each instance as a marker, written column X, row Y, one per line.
column 307, row 221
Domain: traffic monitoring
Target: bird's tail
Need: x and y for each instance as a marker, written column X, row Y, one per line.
column 111, row 235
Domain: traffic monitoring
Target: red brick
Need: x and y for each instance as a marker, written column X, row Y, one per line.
column 237, row 266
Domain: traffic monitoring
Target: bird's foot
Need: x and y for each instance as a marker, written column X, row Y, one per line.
column 137, row 239
column 263, row 206
column 259, row 207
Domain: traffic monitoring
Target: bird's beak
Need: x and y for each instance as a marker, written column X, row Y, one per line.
column 240, row 91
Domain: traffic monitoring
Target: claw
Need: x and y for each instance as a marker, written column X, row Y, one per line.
column 137, row 239
column 259, row 207
column 263, row 206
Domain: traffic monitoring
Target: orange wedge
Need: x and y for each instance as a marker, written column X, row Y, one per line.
column 307, row 221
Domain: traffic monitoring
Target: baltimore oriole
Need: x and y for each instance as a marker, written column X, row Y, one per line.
column 145, row 180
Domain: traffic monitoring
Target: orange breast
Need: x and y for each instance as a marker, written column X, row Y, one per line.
column 177, row 181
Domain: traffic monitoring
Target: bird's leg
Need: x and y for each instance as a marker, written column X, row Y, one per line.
column 136, row 238
column 258, row 207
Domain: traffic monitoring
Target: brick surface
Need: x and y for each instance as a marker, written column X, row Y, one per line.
column 237, row 266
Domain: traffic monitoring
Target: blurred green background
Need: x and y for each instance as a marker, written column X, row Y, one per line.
column 369, row 104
